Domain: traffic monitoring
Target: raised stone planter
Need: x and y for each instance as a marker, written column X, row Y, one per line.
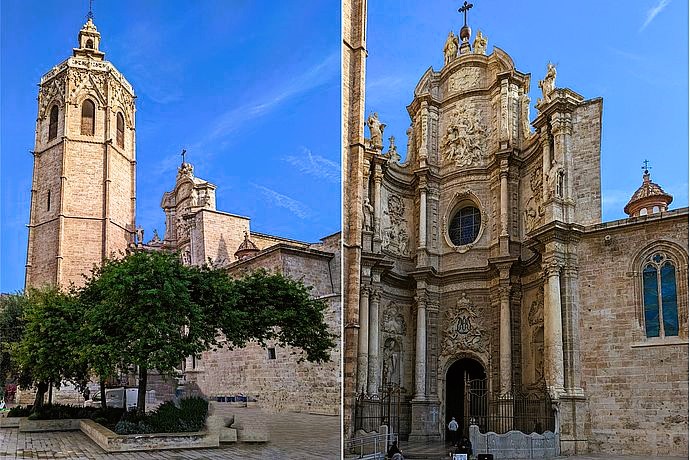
column 34, row 426
column 112, row 442
column 10, row 422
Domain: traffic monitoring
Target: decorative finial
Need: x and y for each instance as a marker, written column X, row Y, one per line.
column 465, row 31
column 90, row 15
column 646, row 166
column 183, row 154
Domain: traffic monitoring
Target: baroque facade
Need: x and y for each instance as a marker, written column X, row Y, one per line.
column 482, row 257
column 83, row 211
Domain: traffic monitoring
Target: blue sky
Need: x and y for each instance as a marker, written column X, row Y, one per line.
column 250, row 88
column 633, row 54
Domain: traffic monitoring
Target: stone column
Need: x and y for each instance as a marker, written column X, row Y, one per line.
column 504, row 199
column 571, row 342
column 378, row 178
column 553, row 328
column 363, row 350
column 546, row 161
column 422, row 216
column 505, row 345
column 420, row 352
column 373, row 379
column 423, row 150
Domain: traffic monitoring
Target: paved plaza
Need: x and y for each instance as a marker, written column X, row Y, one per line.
column 292, row 436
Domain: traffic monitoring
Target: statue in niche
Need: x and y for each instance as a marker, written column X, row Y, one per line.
column 479, row 44
column 393, row 321
column 548, row 84
column 368, row 210
column 376, row 130
column 534, row 209
column 450, row 50
column 391, row 362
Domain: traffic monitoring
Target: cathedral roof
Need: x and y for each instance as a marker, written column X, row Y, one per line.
column 649, row 194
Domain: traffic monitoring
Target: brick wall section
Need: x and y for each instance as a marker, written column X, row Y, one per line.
column 638, row 395
column 586, row 151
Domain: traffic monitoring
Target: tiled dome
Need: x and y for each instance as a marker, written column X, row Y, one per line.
column 647, row 197
column 247, row 248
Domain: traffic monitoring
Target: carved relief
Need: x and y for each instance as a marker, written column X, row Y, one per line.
column 462, row 330
column 535, row 318
column 393, row 320
column 464, row 140
column 465, row 79
column 119, row 97
column 396, row 239
column 52, row 92
column 534, row 210
column 82, row 80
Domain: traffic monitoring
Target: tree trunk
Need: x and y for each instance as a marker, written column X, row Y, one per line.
column 104, row 404
column 141, row 397
column 50, row 393
column 40, row 394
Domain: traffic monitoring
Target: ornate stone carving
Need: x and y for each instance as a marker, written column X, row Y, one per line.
column 376, row 131
column 392, row 154
column 54, row 91
column 534, row 210
column 462, row 330
column 368, row 211
column 393, row 320
column 479, row 44
column 535, row 316
column 464, row 140
column 450, row 50
column 395, row 236
column 119, row 97
column 464, row 79
column 548, row 84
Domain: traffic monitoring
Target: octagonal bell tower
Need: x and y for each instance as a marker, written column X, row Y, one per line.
column 83, row 187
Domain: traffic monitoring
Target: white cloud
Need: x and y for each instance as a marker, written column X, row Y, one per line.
column 296, row 207
column 315, row 165
column 653, row 12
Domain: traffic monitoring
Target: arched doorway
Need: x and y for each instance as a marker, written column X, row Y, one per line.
column 463, row 375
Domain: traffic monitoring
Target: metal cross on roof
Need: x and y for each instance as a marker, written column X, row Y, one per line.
column 464, row 9
column 183, row 153
column 646, row 166
column 90, row 15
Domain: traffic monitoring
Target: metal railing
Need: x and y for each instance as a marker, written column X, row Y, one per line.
column 369, row 447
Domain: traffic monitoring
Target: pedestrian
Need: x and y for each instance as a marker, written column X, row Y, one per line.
column 453, row 428
column 394, row 453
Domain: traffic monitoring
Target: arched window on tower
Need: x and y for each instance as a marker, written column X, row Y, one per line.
column 88, row 117
column 120, row 130
column 52, row 127
column 659, row 296
column 89, row 43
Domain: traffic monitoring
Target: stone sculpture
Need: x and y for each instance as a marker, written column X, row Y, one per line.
column 450, row 50
column 548, row 84
column 479, row 44
column 376, row 130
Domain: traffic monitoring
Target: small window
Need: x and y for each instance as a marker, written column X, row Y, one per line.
column 464, row 228
column 120, row 130
column 52, row 127
column 271, row 353
column 48, row 202
column 88, row 118
column 660, row 302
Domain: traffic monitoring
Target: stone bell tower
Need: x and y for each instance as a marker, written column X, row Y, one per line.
column 83, row 188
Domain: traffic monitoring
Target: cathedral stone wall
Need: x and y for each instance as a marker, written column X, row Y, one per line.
column 220, row 236
column 637, row 388
column 283, row 383
column 585, row 148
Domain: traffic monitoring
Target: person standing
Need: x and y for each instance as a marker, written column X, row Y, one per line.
column 453, row 428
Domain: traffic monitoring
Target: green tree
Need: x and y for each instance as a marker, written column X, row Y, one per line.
column 49, row 352
column 150, row 310
column 12, row 308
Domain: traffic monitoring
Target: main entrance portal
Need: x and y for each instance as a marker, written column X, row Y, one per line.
column 464, row 376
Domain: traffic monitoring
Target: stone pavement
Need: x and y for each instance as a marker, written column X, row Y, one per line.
column 293, row 436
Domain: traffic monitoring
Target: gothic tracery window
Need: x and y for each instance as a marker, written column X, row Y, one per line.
column 120, row 130
column 88, row 118
column 52, row 127
column 659, row 296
